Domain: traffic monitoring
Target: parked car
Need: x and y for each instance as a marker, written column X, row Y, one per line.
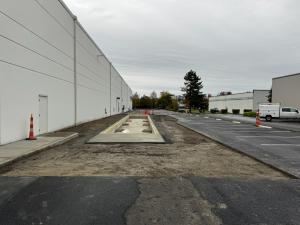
column 276, row 111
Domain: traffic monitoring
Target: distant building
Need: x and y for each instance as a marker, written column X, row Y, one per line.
column 247, row 101
column 286, row 90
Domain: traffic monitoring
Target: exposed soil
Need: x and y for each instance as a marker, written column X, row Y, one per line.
column 185, row 153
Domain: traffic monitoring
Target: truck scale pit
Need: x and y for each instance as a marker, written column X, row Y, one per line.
column 130, row 129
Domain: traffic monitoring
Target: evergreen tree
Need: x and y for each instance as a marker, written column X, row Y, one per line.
column 270, row 96
column 154, row 99
column 192, row 90
column 135, row 101
column 165, row 100
column 145, row 102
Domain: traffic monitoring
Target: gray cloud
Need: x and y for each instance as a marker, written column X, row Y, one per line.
column 234, row 45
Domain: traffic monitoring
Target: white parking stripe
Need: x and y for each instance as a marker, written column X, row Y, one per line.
column 237, row 122
column 256, row 131
column 262, row 136
column 261, row 126
column 218, row 119
column 297, row 145
column 234, row 128
column 206, row 117
column 281, row 131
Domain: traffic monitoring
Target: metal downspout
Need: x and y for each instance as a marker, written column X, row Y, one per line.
column 110, row 66
column 75, row 72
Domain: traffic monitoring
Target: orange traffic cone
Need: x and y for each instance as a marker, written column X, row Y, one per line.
column 31, row 136
column 257, row 123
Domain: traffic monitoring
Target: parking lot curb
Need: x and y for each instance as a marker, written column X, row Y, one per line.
column 239, row 151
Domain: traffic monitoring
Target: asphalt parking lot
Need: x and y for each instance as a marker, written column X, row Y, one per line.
column 151, row 201
column 276, row 147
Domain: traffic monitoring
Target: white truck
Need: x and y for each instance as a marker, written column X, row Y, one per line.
column 271, row 111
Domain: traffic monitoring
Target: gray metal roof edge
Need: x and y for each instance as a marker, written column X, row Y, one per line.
column 89, row 36
column 246, row 92
column 261, row 90
column 94, row 43
column 67, row 8
column 291, row 75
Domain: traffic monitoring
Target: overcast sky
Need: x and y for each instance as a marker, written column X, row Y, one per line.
column 234, row 45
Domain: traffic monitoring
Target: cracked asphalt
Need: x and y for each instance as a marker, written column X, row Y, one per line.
column 132, row 201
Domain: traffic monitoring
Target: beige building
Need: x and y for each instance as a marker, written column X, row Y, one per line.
column 286, row 90
column 242, row 102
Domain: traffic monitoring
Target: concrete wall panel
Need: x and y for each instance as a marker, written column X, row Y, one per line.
column 16, row 34
column 259, row 97
column 93, row 79
column 116, row 92
column 32, row 17
column 37, row 58
column 1, row 96
column 286, row 91
column 20, row 99
column 236, row 101
column 58, row 13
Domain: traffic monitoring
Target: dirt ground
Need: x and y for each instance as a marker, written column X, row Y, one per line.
column 185, row 153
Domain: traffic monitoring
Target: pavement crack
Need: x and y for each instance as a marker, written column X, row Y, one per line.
column 170, row 201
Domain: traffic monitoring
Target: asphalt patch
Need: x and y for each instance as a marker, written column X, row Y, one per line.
column 69, row 201
column 250, row 202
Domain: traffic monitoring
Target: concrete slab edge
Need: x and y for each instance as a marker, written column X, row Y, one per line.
column 243, row 153
column 133, row 143
column 154, row 128
column 115, row 126
column 39, row 149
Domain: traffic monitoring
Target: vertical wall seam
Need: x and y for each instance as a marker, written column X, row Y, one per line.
column 110, row 87
column 1, row 114
column 75, row 72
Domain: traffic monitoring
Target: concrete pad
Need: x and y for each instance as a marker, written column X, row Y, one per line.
column 4, row 160
column 11, row 153
column 17, row 150
column 126, row 138
column 130, row 129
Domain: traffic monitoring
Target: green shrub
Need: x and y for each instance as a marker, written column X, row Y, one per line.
column 236, row 111
column 250, row 114
column 247, row 110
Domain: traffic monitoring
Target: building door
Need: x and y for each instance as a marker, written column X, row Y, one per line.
column 118, row 104
column 43, row 114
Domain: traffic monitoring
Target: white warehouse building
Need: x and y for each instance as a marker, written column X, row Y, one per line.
column 286, row 90
column 248, row 101
column 51, row 68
